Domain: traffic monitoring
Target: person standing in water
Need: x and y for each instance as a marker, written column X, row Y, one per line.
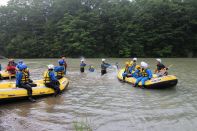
column 91, row 68
column 104, row 67
column 82, row 65
column 65, row 64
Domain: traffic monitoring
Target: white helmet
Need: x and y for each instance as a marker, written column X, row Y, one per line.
column 103, row 59
column 144, row 64
column 159, row 60
column 134, row 59
column 50, row 66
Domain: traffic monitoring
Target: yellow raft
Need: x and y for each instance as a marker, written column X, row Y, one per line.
column 5, row 75
column 155, row 82
column 8, row 90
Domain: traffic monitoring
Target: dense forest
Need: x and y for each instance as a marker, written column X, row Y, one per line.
column 98, row 28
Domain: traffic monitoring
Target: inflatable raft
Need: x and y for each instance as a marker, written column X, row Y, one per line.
column 5, row 75
column 154, row 83
column 8, row 90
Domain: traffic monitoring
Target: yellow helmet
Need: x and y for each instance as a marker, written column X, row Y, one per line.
column 131, row 63
column 126, row 63
column 137, row 67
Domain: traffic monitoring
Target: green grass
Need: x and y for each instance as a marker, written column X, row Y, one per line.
column 82, row 126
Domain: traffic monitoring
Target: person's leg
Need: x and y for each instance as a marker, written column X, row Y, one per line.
column 124, row 75
column 59, row 77
column 53, row 86
column 82, row 70
column 137, row 81
column 29, row 90
column 144, row 80
column 103, row 72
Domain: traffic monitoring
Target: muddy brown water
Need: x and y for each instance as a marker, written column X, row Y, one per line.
column 106, row 104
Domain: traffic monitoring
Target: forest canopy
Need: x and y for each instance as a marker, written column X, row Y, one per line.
column 98, row 28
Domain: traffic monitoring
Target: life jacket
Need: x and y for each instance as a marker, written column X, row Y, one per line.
column 60, row 73
column 47, row 78
column 143, row 72
column 25, row 77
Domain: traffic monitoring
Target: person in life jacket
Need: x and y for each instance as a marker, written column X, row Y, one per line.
column 11, row 67
column 22, row 81
column 91, row 68
column 146, row 74
column 51, row 81
column 132, row 65
column 65, row 64
column 60, row 70
column 82, row 66
column 12, row 62
column 26, row 70
column 161, row 68
column 137, row 72
column 126, row 72
column 104, row 67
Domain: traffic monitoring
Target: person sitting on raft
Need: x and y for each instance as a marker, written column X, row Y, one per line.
column 127, row 72
column 22, row 81
column 146, row 74
column 82, row 66
column 132, row 64
column 51, row 81
column 60, row 70
column 104, row 67
column 137, row 72
column 11, row 67
column 91, row 68
column 161, row 68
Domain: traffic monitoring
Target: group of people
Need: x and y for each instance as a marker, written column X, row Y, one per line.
column 51, row 76
column 104, row 66
column 142, row 72
column 54, row 73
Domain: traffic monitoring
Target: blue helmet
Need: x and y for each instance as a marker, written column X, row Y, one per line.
column 21, row 67
column 20, row 62
column 61, row 62
column 24, row 66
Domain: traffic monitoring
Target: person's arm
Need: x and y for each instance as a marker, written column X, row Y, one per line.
column 52, row 76
column 107, row 65
column 56, row 69
column 149, row 72
column 18, row 78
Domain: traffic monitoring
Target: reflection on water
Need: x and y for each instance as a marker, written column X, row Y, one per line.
column 107, row 104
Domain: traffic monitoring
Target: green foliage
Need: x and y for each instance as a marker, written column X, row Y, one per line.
column 98, row 28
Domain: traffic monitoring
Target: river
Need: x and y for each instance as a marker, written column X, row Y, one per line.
column 105, row 104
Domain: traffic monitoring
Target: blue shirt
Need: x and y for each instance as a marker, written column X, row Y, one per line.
column 52, row 76
column 104, row 66
column 136, row 73
column 59, row 68
column 82, row 65
column 149, row 72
